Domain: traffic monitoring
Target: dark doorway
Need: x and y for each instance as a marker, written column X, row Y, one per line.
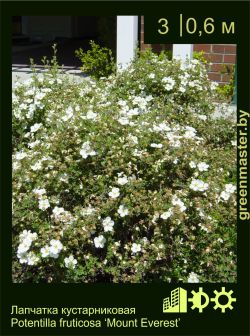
column 68, row 32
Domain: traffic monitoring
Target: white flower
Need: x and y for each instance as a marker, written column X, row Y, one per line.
column 192, row 129
column 68, row 114
column 88, row 211
column 202, row 116
column 167, row 214
column 192, row 164
column 31, row 111
column 58, row 211
column 32, row 259
column 234, row 142
column 122, row 210
column 86, row 150
column 36, row 166
column 39, row 192
column 193, row 278
column 135, row 248
column 114, row 193
column 70, row 262
column 108, row 224
column 56, row 244
column 52, row 254
column 169, row 83
column 192, row 84
column 45, row 251
column 23, row 106
column 35, row 128
column 167, row 80
column 154, row 145
column 175, row 161
column 214, row 85
column 122, row 103
column 178, row 201
column 230, row 188
column 138, row 153
column 64, row 178
column 133, row 139
column 91, row 115
column 61, row 215
column 198, row 185
column 161, row 127
column 152, row 76
column 99, row 241
column 182, row 89
column 133, row 112
column 15, row 166
column 23, row 247
column 39, row 95
column 20, row 155
column 169, row 86
column 43, row 204
column 201, row 212
column 123, row 121
column 55, row 248
column 122, row 180
column 202, row 166
column 27, row 235
column 225, row 195
column 22, row 258
column 194, row 62
column 140, row 101
column 173, row 140
column 190, row 133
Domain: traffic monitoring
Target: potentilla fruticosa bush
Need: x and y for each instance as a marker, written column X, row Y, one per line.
column 125, row 179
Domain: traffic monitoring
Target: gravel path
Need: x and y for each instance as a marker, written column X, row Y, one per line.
column 21, row 73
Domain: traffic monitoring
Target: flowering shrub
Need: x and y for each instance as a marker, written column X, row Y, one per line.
column 125, row 179
column 98, row 61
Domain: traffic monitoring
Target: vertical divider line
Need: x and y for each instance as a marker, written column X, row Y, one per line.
column 181, row 23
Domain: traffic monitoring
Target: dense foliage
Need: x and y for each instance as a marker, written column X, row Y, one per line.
column 124, row 179
column 97, row 61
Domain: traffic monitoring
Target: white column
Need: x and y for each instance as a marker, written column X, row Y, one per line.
column 183, row 51
column 126, row 39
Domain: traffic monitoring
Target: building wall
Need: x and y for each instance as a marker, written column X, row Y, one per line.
column 222, row 58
